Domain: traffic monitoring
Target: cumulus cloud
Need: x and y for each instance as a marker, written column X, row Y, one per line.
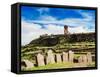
column 32, row 31
column 46, row 18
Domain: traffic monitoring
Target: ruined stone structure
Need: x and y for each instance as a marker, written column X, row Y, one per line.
column 40, row 59
column 27, row 64
column 50, row 59
column 84, row 59
column 89, row 58
column 80, row 60
column 71, row 56
column 65, row 57
column 65, row 30
column 58, row 58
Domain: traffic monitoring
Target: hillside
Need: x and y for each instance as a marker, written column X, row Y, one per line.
column 80, row 44
column 59, row 42
column 50, row 40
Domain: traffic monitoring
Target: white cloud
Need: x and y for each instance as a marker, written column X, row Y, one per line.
column 47, row 18
column 86, row 21
column 79, row 29
column 43, row 10
column 32, row 31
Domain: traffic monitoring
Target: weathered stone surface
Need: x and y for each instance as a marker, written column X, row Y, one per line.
column 50, row 59
column 65, row 57
column 71, row 56
column 80, row 60
column 89, row 57
column 84, row 59
column 27, row 63
column 40, row 59
column 58, row 58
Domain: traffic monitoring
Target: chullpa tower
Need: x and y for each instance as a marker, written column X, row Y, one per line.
column 65, row 30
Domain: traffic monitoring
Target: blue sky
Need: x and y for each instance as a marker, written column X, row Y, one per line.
column 37, row 21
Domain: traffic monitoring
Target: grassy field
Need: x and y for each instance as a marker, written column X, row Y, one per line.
column 27, row 53
column 60, row 66
column 59, row 46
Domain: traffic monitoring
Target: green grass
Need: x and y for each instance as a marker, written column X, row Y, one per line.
column 59, row 66
column 91, row 65
column 52, row 66
column 28, row 52
column 64, row 45
column 77, row 45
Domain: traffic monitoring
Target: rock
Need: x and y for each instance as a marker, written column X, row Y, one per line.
column 71, row 56
column 27, row 63
column 50, row 59
column 40, row 59
column 89, row 58
column 84, row 59
column 65, row 57
column 58, row 58
column 80, row 59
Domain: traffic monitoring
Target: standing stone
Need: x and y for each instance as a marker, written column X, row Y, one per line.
column 65, row 57
column 58, row 58
column 40, row 59
column 50, row 57
column 89, row 57
column 84, row 59
column 28, row 63
column 71, row 56
column 80, row 59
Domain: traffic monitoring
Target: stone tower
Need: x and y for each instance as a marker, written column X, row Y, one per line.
column 65, row 30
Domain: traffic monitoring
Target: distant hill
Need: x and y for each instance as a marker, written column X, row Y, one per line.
column 51, row 40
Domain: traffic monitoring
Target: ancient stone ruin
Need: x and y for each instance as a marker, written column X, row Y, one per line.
column 58, row 58
column 51, row 57
column 40, row 59
column 65, row 57
column 80, row 60
column 71, row 56
column 84, row 59
column 27, row 64
column 89, row 58
column 66, row 30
